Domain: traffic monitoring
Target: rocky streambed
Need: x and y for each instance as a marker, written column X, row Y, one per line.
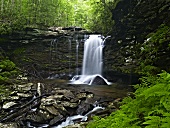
column 51, row 102
column 41, row 102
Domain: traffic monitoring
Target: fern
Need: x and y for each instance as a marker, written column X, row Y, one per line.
column 150, row 108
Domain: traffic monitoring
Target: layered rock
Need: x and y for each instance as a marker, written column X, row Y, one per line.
column 29, row 105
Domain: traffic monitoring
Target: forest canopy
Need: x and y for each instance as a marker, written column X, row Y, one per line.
column 89, row 14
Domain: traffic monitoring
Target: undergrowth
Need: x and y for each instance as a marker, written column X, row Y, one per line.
column 8, row 73
column 7, row 70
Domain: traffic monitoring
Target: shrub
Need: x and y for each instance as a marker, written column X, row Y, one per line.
column 7, row 70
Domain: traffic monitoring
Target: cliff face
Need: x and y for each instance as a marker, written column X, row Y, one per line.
column 139, row 17
column 135, row 20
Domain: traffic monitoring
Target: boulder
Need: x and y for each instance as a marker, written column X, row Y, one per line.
column 99, row 81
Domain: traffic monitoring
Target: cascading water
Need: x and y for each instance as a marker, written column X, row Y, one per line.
column 92, row 61
column 77, row 55
column 53, row 49
column 69, row 40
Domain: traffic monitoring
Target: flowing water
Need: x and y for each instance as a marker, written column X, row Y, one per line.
column 69, row 120
column 69, row 55
column 92, row 61
column 77, row 55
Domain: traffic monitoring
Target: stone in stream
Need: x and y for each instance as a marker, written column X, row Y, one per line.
column 83, row 108
column 8, row 105
column 56, row 119
column 99, row 81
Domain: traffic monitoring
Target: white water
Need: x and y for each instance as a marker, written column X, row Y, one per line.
column 77, row 55
column 92, row 61
column 70, row 120
column 69, row 53
column 93, row 50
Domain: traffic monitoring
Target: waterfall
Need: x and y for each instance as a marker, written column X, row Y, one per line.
column 92, row 61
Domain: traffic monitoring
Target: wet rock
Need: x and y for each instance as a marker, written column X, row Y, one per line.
column 24, row 95
column 52, row 110
column 78, row 125
column 59, row 97
column 90, row 95
column 61, row 109
column 98, row 81
column 48, row 101
column 50, row 33
column 8, row 105
column 24, row 87
column 61, row 104
column 91, row 101
column 81, row 95
column 8, row 125
column 83, row 108
column 67, row 93
column 56, row 119
column 68, row 104
column 41, row 116
column 14, row 97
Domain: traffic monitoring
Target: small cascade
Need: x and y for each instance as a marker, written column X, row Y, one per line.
column 86, row 37
column 69, row 55
column 69, row 120
column 53, row 49
column 77, row 55
column 92, row 62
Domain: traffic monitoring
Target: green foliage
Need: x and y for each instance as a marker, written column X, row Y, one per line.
column 94, row 15
column 16, row 15
column 100, row 17
column 7, row 70
column 150, row 108
column 154, row 55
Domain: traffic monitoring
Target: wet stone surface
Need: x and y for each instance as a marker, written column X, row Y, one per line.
column 50, row 103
